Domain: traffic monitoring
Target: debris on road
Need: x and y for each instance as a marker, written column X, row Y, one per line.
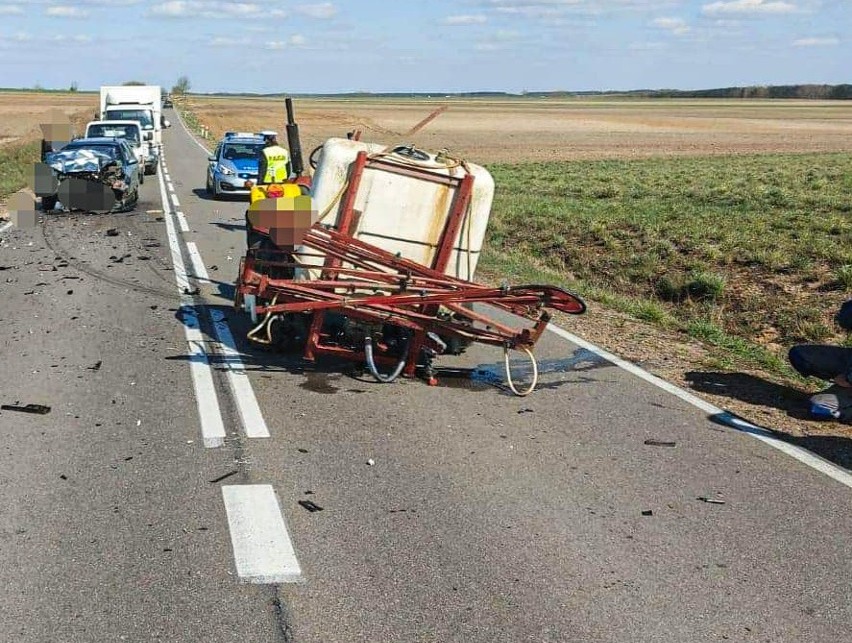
column 522, row 411
column 711, row 501
column 660, row 443
column 40, row 409
column 648, row 512
column 371, row 462
column 224, row 476
column 310, row 506
column 96, row 366
column 112, row 232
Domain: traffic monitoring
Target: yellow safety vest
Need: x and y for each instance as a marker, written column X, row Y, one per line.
column 277, row 159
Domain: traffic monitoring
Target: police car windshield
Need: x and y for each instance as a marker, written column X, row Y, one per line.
column 114, row 131
column 241, row 151
column 143, row 116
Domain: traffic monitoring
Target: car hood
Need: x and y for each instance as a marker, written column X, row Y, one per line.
column 81, row 160
column 242, row 165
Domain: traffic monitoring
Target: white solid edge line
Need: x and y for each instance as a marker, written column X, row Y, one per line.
column 188, row 133
column 251, row 416
column 175, row 200
column 182, row 223
column 197, row 263
column 170, row 185
column 207, row 402
column 800, row 454
column 5, row 226
column 263, row 551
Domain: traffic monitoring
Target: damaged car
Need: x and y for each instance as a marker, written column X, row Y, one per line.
column 91, row 174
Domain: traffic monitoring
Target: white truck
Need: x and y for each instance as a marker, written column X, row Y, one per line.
column 141, row 103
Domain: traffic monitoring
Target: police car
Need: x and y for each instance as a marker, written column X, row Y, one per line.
column 234, row 162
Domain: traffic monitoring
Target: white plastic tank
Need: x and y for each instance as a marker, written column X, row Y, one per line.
column 404, row 214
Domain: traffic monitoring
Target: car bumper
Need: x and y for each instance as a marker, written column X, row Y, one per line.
column 233, row 184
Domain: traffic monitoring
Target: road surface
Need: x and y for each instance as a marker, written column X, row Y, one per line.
column 159, row 498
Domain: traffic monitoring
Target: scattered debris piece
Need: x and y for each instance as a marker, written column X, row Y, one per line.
column 310, row 506
column 63, row 476
column 112, row 232
column 660, row 443
column 302, row 450
column 194, row 291
column 525, row 411
column 224, row 476
column 6, row 268
column 70, row 292
column 712, row 501
column 309, row 493
column 371, row 462
column 648, row 512
column 138, row 422
column 214, row 267
column 96, row 366
column 40, row 409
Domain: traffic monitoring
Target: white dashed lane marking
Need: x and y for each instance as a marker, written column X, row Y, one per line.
column 263, row 551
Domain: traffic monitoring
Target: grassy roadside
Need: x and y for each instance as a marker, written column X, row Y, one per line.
column 16, row 161
column 748, row 254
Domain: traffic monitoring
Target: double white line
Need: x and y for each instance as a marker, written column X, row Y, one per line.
column 263, row 550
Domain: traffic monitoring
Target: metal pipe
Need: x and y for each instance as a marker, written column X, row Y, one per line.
column 371, row 364
column 293, row 141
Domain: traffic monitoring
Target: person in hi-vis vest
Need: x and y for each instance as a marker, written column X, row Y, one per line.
column 273, row 161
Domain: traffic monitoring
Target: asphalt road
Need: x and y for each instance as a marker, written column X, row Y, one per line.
column 483, row 516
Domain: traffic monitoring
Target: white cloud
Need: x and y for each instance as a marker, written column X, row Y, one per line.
column 173, row 9
column 464, row 20
column 10, row 10
column 296, row 41
column 320, row 11
column 64, row 11
column 204, row 9
column 677, row 26
column 748, row 7
column 830, row 41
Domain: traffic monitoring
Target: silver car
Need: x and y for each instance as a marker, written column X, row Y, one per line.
column 234, row 162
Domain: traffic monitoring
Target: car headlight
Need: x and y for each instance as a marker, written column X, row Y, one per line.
column 226, row 170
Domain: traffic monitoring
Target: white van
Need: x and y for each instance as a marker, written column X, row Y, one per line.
column 132, row 131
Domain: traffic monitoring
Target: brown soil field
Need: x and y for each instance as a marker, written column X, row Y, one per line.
column 22, row 112
column 487, row 131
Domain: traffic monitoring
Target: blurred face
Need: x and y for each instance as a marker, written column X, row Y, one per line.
column 56, row 128
column 287, row 218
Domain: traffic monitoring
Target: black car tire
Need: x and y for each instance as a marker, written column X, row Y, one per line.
column 142, row 177
column 209, row 186
column 49, row 202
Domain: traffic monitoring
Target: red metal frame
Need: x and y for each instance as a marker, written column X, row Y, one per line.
column 364, row 282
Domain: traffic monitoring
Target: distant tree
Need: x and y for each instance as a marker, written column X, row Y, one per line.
column 73, row 87
column 134, row 82
column 181, row 86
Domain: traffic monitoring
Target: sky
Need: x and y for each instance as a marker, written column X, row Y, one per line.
column 436, row 46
